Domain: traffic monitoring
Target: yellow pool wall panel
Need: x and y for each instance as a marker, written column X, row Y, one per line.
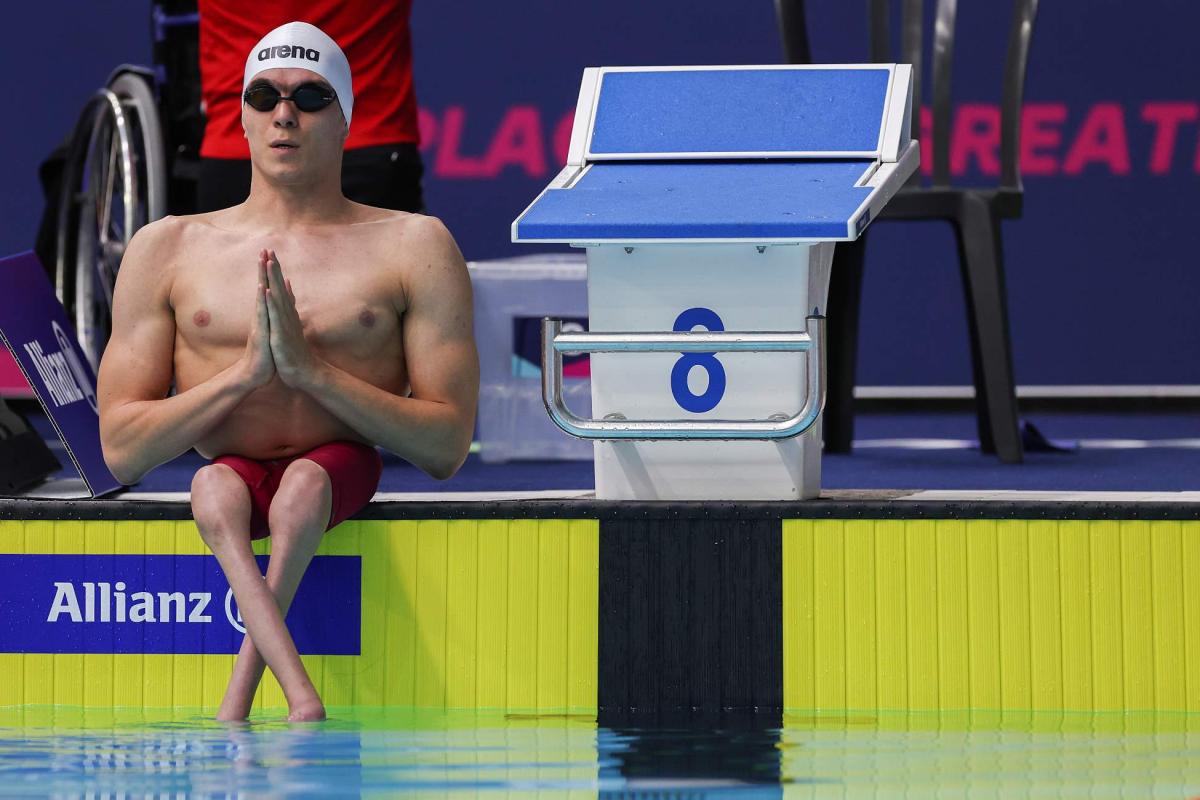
column 904, row 615
column 491, row 614
column 951, row 614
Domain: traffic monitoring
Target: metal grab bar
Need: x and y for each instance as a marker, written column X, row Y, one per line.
column 555, row 343
column 697, row 342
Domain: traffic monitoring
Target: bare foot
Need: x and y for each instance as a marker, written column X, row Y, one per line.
column 232, row 710
column 224, row 715
column 313, row 711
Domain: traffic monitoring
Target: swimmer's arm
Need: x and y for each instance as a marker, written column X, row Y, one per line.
column 139, row 434
column 431, row 428
column 140, row 427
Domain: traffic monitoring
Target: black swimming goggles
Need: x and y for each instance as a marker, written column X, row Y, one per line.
column 307, row 97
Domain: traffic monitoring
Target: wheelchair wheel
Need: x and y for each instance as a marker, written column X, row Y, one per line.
column 114, row 183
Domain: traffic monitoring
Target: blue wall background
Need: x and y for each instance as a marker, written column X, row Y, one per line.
column 1102, row 270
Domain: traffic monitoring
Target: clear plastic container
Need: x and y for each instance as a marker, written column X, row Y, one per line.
column 511, row 297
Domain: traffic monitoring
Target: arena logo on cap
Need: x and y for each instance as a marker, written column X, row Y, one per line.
column 289, row 51
column 61, row 371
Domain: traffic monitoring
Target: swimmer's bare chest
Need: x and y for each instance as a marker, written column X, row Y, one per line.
column 347, row 300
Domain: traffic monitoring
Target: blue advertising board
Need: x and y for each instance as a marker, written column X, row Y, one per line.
column 164, row 604
column 34, row 328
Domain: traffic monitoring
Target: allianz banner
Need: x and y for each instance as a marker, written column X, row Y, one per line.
column 34, row 327
column 163, row 604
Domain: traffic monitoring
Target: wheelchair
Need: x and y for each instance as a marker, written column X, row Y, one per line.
column 131, row 158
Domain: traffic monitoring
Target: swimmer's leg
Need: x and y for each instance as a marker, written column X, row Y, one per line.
column 221, row 508
column 298, row 518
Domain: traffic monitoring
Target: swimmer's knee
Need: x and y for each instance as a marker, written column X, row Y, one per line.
column 218, row 493
column 303, row 500
column 214, row 479
column 306, row 479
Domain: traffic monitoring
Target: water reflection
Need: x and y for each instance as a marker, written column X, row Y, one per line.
column 70, row 752
column 970, row 754
column 689, row 754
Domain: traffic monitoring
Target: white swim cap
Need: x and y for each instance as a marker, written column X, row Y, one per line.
column 304, row 46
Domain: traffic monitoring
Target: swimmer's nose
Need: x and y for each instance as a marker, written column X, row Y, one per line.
column 284, row 115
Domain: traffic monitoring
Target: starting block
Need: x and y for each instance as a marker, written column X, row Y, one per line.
column 710, row 198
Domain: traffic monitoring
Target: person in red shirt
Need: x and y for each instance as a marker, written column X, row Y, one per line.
column 382, row 165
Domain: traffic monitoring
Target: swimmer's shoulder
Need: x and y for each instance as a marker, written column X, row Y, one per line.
column 165, row 238
column 411, row 234
column 396, row 222
column 160, row 249
column 147, row 270
column 406, row 237
column 157, row 234
column 429, row 237
column 151, row 251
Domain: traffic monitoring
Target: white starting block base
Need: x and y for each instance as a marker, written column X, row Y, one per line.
column 646, row 290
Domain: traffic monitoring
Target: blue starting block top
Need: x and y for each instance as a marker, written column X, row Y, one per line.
column 704, row 154
column 703, row 200
column 740, row 112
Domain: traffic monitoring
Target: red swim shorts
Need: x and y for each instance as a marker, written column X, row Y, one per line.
column 354, row 469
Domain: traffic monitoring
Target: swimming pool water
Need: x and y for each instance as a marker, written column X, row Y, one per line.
column 61, row 752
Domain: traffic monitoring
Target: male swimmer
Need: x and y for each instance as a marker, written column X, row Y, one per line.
column 300, row 328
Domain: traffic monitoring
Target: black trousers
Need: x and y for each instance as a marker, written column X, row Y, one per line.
column 385, row 176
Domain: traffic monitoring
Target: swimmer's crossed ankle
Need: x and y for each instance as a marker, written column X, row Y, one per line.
column 307, row 714
column 247, row 722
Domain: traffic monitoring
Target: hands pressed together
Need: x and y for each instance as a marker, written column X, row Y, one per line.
column 276, row 345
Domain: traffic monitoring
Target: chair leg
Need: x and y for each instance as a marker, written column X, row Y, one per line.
column 983, row 422
column 982, row 264
column 841, row 348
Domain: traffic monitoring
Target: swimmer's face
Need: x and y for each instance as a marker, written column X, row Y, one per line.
column 289, row 145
